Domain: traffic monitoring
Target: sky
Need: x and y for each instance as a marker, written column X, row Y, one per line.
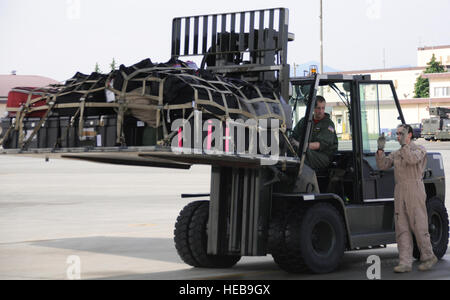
column 57, row 38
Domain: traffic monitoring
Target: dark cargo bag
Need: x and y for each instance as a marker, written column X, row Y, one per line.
column 49, row 133
column 134, row 132
column 100, row 131
column 68, row 133
column 10, row 141
column 150, row 136
column 29, row 126
column 119, row 79
column 75, row 91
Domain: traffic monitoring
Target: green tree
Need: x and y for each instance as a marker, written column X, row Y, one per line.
column 434, row 66
column 97, row 68
column 113, row 64
column 422, row 87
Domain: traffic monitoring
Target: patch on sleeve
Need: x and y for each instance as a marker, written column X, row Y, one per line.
column 331, row 129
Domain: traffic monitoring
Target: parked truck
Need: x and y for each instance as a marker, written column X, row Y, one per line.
column 437, row 127
column 273, row 203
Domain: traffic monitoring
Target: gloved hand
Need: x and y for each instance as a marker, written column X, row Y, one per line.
column 403, row 136
column 381, row 142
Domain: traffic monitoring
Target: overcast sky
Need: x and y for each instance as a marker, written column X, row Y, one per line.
column 56, row 38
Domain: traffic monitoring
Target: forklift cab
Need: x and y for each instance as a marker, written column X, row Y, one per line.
column 361, row 109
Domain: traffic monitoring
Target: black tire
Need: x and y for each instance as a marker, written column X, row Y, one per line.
column 286, row 258
column 277, row 240
column 181, row 233
column 315, row 240
column 438, row 227
column 191, row 238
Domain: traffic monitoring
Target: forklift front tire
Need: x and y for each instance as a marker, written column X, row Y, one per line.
column 191, row 238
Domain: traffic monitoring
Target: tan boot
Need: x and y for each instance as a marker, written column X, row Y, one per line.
column 402, row 269
column 428, row 264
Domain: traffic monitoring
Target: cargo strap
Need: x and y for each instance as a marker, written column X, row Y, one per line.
column 120, row 120
column 21, row 115
column 25, row 144
column 6, row 136
column 82, row 108
column 206, row 92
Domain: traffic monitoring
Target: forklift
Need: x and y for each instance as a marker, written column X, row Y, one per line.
column 263, row 203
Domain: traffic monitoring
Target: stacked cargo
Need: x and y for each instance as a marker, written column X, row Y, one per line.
column 133, row 106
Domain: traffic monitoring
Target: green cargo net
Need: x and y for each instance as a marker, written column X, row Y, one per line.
column 156, row 96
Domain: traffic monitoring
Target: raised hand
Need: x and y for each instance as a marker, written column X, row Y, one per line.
column 403, row 135
column 381, row 142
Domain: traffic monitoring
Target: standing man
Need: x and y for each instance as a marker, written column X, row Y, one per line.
column 410, row 197
column 323, row 142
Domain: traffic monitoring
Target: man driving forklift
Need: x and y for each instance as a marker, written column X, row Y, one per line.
column 323, row 143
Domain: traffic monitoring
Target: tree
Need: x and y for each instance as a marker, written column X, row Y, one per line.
column 113, row 64
column 97, row 68
column 434, row 66
column 422, row 87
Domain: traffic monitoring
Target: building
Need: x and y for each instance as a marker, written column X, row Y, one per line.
column 442, row 54
column 8, row 82
column 439, row 85
column 404, row 79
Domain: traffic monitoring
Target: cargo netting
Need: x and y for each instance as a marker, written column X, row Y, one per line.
column 154, row 94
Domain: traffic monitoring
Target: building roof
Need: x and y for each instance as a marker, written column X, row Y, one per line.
column 437, row 75
column 379, row 70
column 434, row 48
column 424, row 101
column 8, row 82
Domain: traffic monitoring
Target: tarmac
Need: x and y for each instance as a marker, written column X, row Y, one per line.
column 65, row 219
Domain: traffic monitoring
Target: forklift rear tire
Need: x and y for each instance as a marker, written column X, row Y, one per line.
column 438, row 227
column 316, row 239
column 191, row 238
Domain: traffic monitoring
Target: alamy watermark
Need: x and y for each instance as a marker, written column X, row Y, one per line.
column 373, row 11
column 73, row 9
column 374, row 270
column 245, row 138
column 74, row 270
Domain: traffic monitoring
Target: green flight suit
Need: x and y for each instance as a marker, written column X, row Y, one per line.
column 323, row 132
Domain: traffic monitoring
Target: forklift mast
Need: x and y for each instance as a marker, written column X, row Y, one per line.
column 250, row 45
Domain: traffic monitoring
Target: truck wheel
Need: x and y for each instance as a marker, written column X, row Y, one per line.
column 287, row 259
column 316, row 239
column 438, row 227
column 276, row 241
column 181, row 233
column 191, row 238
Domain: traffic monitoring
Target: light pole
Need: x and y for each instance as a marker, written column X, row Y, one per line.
column 321, row 37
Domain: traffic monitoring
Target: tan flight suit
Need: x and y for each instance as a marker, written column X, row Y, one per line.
column 410, row 209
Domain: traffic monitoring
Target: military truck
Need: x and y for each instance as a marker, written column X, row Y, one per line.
column 417, row 130
column 437, row 127
column 273, row 203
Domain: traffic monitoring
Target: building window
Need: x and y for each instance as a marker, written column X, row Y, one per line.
column 442, row 91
